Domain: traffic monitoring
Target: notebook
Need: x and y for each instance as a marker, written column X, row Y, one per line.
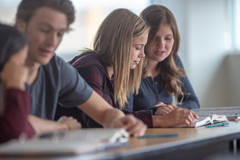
column 74, row 142
column 202, row 121
column 232, row 113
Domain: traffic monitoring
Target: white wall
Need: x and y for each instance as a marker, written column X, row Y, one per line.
column 233, row 80
column 202, row 25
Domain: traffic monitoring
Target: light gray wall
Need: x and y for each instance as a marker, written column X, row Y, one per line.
column 233, row 80
column 202, row 25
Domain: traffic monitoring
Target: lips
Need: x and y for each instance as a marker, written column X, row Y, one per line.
column 160, row 53
column 45, row 52
column 137, row 62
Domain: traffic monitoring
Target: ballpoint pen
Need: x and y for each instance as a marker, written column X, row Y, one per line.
column 217, row 125
column 159, row 135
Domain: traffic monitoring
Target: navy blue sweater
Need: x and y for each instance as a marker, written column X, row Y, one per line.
column 151, row 92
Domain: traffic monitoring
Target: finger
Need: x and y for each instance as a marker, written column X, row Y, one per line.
column 71, row 120
column 118, row 123
column 129, row 121
column 137, row 129
column 192, row 115
column 163, row 112
column 76, row 125
column 141, row 131
column 195, row 115
column 170, row 107
column 190, row 118
column 186, row 114
column 189, row 115
column 187, row 122
column 159, row 104
column 61, row 118
column 173, row 106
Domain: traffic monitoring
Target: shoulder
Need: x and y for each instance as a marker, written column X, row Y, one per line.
column 178, row 61
column 88, row 60
column 58, row 63
column 57, row 69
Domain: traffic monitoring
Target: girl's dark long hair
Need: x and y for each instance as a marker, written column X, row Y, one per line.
column 155, row 16
column 11, row 41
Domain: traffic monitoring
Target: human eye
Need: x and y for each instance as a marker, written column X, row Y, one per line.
column 168, row 38
column 44, row 30
column 60, row 35
column 138, row 47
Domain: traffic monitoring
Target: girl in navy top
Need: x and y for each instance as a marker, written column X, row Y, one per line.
column 163, row 73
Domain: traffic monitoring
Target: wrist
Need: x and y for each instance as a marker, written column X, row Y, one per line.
column 63, row 126
column 16, row 85
column 157, row 121
column 69, row 127
column 111, row 116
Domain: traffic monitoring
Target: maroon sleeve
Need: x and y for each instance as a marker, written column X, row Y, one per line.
column 14, row 120
column 144, row 115
column 94, row 77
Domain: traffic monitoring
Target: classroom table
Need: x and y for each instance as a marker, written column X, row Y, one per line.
column 191, row 143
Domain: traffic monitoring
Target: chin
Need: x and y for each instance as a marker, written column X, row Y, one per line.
column 133, row 67
column 44, row 62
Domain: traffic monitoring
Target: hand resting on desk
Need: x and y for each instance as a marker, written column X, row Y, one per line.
column 177, row 116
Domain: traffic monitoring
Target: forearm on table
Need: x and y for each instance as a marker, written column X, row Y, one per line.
column 99, row 110
column 43, row 125
column 110, row 115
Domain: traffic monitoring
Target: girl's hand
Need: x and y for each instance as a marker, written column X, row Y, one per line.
column 178, row 116
column 165, row 109
column 134, row 126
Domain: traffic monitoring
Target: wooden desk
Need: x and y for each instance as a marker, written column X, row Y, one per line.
column 191, row 143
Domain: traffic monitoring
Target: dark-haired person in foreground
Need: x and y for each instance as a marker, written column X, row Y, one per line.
column 14, row 98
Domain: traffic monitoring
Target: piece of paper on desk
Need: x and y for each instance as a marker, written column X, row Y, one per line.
column 73, row 142
column 202, row 121
column 232, row 113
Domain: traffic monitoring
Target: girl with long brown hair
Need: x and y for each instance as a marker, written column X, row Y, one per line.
column 163, row 74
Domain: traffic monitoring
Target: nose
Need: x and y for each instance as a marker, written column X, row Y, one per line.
column 142, row 54
column 161, row 43
column 52, row 40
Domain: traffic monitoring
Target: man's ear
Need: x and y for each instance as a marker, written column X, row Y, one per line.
column 21, row 25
